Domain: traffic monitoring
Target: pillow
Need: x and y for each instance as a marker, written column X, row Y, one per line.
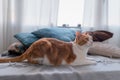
column 15, row 49
column 100, row 35
column 65, row 34
column 104, row 49
column 26, row 38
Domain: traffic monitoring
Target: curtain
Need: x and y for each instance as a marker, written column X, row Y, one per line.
column 103, row 15
column 25, row 16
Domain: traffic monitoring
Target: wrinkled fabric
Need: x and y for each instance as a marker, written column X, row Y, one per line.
column 105, row 69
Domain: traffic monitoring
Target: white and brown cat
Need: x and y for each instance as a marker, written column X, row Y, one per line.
column 50, row 51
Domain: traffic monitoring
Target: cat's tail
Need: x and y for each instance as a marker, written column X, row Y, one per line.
column 13, row 59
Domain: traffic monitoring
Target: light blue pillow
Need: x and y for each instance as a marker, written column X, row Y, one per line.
column 65, row 34
column 26, row 38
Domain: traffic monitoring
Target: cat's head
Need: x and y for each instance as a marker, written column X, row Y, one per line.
column 83, row 38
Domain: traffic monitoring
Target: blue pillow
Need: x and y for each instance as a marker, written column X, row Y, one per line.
column 65, row 34
column 26, row 38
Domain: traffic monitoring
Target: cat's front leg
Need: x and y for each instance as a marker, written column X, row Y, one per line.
column 83, row 62
column 89, row 60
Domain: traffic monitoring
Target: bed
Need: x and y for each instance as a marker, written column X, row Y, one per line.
column 105, row 69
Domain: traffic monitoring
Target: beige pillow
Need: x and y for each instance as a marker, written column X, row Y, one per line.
column 104, row 49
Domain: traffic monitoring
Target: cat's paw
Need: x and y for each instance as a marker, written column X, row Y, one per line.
column 84, row 62
column 88, row 62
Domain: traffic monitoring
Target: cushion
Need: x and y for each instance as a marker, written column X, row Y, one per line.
column 26, row 38
column 65, row 34
column 100, row 35
column 15, row 49
column 104, row 49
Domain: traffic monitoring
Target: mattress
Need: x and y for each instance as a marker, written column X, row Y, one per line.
column 105, row 69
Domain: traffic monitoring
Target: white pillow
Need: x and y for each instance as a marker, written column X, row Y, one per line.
column 104, row 49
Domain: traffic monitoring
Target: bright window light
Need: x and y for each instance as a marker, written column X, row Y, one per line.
column 70, row 12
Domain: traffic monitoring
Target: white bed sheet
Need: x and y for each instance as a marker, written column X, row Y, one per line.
column 105, row 69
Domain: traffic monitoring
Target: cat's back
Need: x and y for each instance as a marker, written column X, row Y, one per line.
column 52, row 44
column 57, row 42
column 52, row 41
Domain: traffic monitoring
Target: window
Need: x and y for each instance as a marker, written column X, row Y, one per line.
column 114, row 13
column 70, row 12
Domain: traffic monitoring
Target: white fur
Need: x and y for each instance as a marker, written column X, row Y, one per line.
column 46, row 61
column 81, row 53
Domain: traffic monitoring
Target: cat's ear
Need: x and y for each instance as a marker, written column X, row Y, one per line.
column 85, row 33
column 78, row 33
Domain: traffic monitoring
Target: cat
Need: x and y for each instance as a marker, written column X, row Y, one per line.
column 51, row 51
